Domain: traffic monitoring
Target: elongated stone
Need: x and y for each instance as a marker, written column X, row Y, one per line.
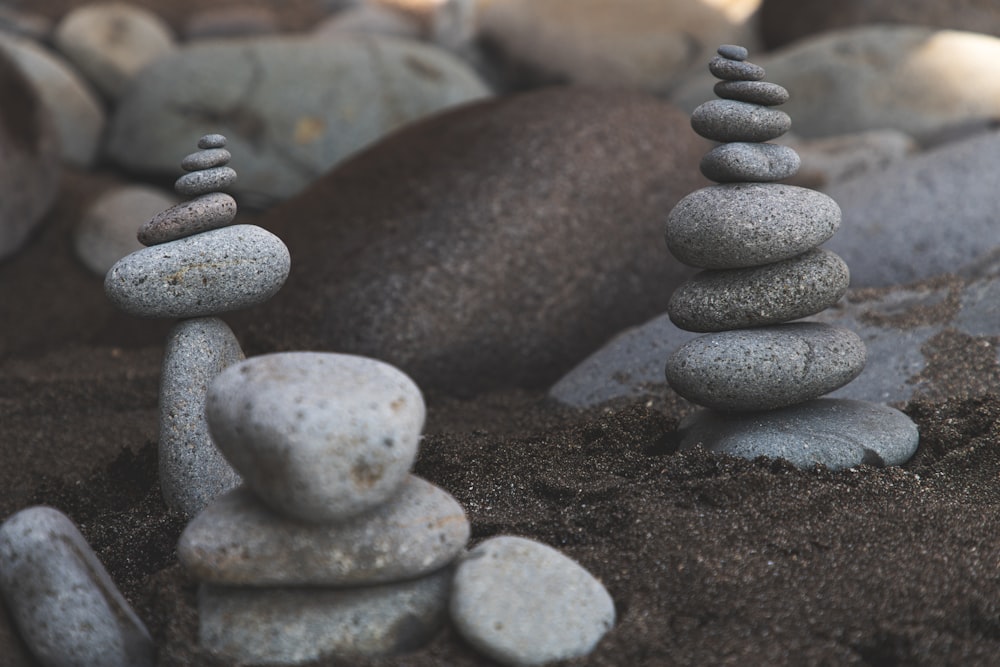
column 752, row 92
column 733, row 52
column 211, row 211
column 204, row 181
column 731, row 120
column 735, row 70
column 740, row 162
column 206, row 159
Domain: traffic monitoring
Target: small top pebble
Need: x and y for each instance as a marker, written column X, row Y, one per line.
column 212, row 141
column 733, row 52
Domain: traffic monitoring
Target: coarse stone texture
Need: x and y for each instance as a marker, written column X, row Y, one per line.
column 767, row 367
column 318, row 436
column 204, row 181
column 215, row 272
column 717, row 300
column 66, row 607
column 521, row 602
column 192, row 470
column 752, row 92
column 209, row 211
column 212, row 140
column 734, row 70
column 741, row 225
column 206, row 159
column 731, row 120
column 239, row 541
column 754, row 162
column 294, row 625
column 836, row 433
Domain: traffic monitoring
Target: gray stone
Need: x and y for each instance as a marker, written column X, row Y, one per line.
column 192, row 470
column 211, row 211
column 752, row 92
column 213, row 140
column 733, row 52
column 741, row 162
column 830, row 161
column 767, row 367
column 206, row 159
column 226, row 22
column 730, row 120
column 836, row 433
column 204, row 181
column 206, row 274
column 741, row 225
column 735, row 70
column 239, row 541
column 295, row 625
column 521, row 602
column 717, row 300
column 318, row 436
column 66, row 607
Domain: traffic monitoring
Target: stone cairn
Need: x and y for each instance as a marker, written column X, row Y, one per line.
column 759, row 374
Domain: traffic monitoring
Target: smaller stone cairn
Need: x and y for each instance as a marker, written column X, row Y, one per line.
column 759, row 373
column 197, row 265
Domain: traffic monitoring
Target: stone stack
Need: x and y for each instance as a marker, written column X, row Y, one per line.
column 197, row 265
column 756, row 370
column 332, row 547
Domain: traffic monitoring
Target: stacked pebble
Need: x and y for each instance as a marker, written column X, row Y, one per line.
column 198, row 265
column 758, row 243
column 332, row 547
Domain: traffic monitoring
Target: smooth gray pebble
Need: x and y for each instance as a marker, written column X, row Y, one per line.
column 205, row 181
column 731, row 120
column 752, row 92
column 212, row 141
column 733, row 52
column 209, row 211
column 741, row 162
column 734, row 70
column 206, row 159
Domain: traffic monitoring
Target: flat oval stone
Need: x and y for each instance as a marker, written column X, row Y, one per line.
column 752, row 92
column 206, row 274
column 521, row 602
column 731, row 120
column 238, row 540
column 766, row 367
column 211, row 211
column 206, row 159
column 735, row 70
column 733, row 52
column 212, row 141
column 741, row 225
column 723, row 299
column 205, row 181
column 741, row 162
column 318, row 436
column 65, row 605
column 836, row 433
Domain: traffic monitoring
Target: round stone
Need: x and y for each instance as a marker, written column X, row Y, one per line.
column 836, row 433
column 753, row 92
column 720, row 300
column 205, row 181
column 239, row 541
column 521, row 602
column 740, row 225
column 206, row 274
column 767, row 367
column 733, row 52
column 741, row 162
column 212, row 141
column 206, row 159
column 211, row 211
column 317, row 436
column 731, row 120
column 735, row 70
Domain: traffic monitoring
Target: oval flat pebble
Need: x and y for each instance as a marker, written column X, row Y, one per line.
column 212, row 141
column 739, row 162
column 205, row 181
column 211, row 211
column 731, row 120
column 206, row 159
column 318, row 436
column 766, row 367
column 65, row 605
column 733, row 52
column 836, row 433
column 215, row 272
column 734, row 70
column 740, row 225
column 719, row 300
column 753, row 92
column 238, row 540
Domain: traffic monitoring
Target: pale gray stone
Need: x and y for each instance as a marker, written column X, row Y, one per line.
column 521, row 602
column 731, row 120
column 318, row 436
column 65, row 605
column 206, row 159
column 204, row 181
column 829, row 161
column 213, row 140
column 755, row 162
column 735, row 70
column 210, row 211
column 752, row 92
column 206, row 274
column 239, row 541
column 733, row 52
column 192, row 470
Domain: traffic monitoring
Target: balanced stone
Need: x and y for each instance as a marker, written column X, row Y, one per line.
column 211, row 211
column 205, row 181
column 836, row 433
column 767, row 367
column 212, row 141
column 741, row 225
column 754, row 92
column 238, row 540
column 65, row 605
column 215, row 272
column 735, row 70
column 733, row 52
column 206, row 159
column 524, row 603
column 718, row 300
column 756, row 162
column 318, row 436
column 731, row 120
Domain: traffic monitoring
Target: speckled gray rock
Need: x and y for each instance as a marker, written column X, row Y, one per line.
column 767, row 367
column 717, row 300
column 521, row 602
column 213, row 140
column 238, row 540
column 731, row 120
column 206, row 159
column 192, row 470
column 66, row 607
column 211, row 211
column 741, row 225
column 206, row 274
column 735, row 70
column 294, row 625
column 752, row 92
column 836, row 433
column 755, row 162
column 318, row 436
column 733, row 52
column 204, row 181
